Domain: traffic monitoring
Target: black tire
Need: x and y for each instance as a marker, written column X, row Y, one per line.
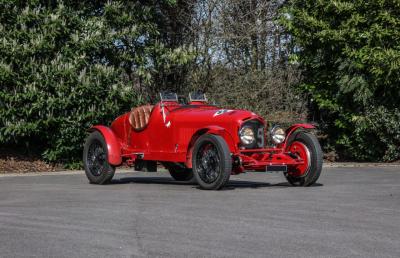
column 95, row 160
column 212, row 167
column 316, row 158
column 179, row 172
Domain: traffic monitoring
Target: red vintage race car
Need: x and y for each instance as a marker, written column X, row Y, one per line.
column 202, row 143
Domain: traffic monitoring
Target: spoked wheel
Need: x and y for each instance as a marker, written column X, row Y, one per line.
column 179, row 172
column 306, row 147
column 97, row 168
column 212, row 163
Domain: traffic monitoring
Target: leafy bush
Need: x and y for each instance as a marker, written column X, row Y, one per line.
column 349, row 52
column 379, row 126
column 66, row 66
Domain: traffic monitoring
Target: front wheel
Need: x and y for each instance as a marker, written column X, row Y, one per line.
column 212, row 162
column 95, row 161
column 305, row 146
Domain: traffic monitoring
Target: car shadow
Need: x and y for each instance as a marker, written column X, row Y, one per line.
column 149, row 180
column 232, row 184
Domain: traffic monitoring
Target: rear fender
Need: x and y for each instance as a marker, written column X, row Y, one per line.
column 292, row 129
column 113, row 145
column 216, row 130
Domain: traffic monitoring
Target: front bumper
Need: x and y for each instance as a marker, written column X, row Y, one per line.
column 259, row 159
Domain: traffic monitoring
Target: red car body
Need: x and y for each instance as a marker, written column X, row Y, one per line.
column 173, row 129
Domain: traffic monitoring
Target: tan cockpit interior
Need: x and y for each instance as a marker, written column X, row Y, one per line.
column 139, row 116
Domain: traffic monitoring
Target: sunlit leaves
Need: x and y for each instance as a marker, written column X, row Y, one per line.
column 350, row 54
column 65, row 65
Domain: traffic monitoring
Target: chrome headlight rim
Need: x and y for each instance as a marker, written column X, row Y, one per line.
column 249, row 141
column 277, row 134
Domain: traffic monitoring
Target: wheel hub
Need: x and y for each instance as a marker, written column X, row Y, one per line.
column 96, row 158
column 208, row 163
column 302, row 152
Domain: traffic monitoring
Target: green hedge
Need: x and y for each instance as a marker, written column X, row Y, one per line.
column 66, row 66
column 349, row 52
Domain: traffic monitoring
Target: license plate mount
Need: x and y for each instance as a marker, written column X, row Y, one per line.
column 276, row 168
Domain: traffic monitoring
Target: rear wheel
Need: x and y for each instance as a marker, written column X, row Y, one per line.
column 212, row 162
column 95, row 161
column 305, row 146
column 179, row 172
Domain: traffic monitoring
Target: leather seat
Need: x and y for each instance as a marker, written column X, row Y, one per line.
column 139, row 116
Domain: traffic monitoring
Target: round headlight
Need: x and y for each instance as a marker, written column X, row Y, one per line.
column 278, row 135
column 247, row 135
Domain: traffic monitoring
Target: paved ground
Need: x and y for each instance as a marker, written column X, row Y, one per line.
column 353, row 212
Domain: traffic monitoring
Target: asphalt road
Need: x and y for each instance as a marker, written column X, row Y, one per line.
column 352, row 212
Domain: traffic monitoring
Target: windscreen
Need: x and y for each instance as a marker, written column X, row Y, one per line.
column 168, row 96
column 197, row 96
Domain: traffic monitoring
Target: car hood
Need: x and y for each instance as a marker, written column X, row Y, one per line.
column 212, row 115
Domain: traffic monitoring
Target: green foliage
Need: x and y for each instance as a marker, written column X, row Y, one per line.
column 350, row 55
column 66, row 66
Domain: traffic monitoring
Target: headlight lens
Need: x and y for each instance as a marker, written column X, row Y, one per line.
column 278, row 135
column 247, row 135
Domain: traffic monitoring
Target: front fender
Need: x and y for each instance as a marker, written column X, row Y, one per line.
column 294, row 128
column 113, row 145
column 217, row 130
